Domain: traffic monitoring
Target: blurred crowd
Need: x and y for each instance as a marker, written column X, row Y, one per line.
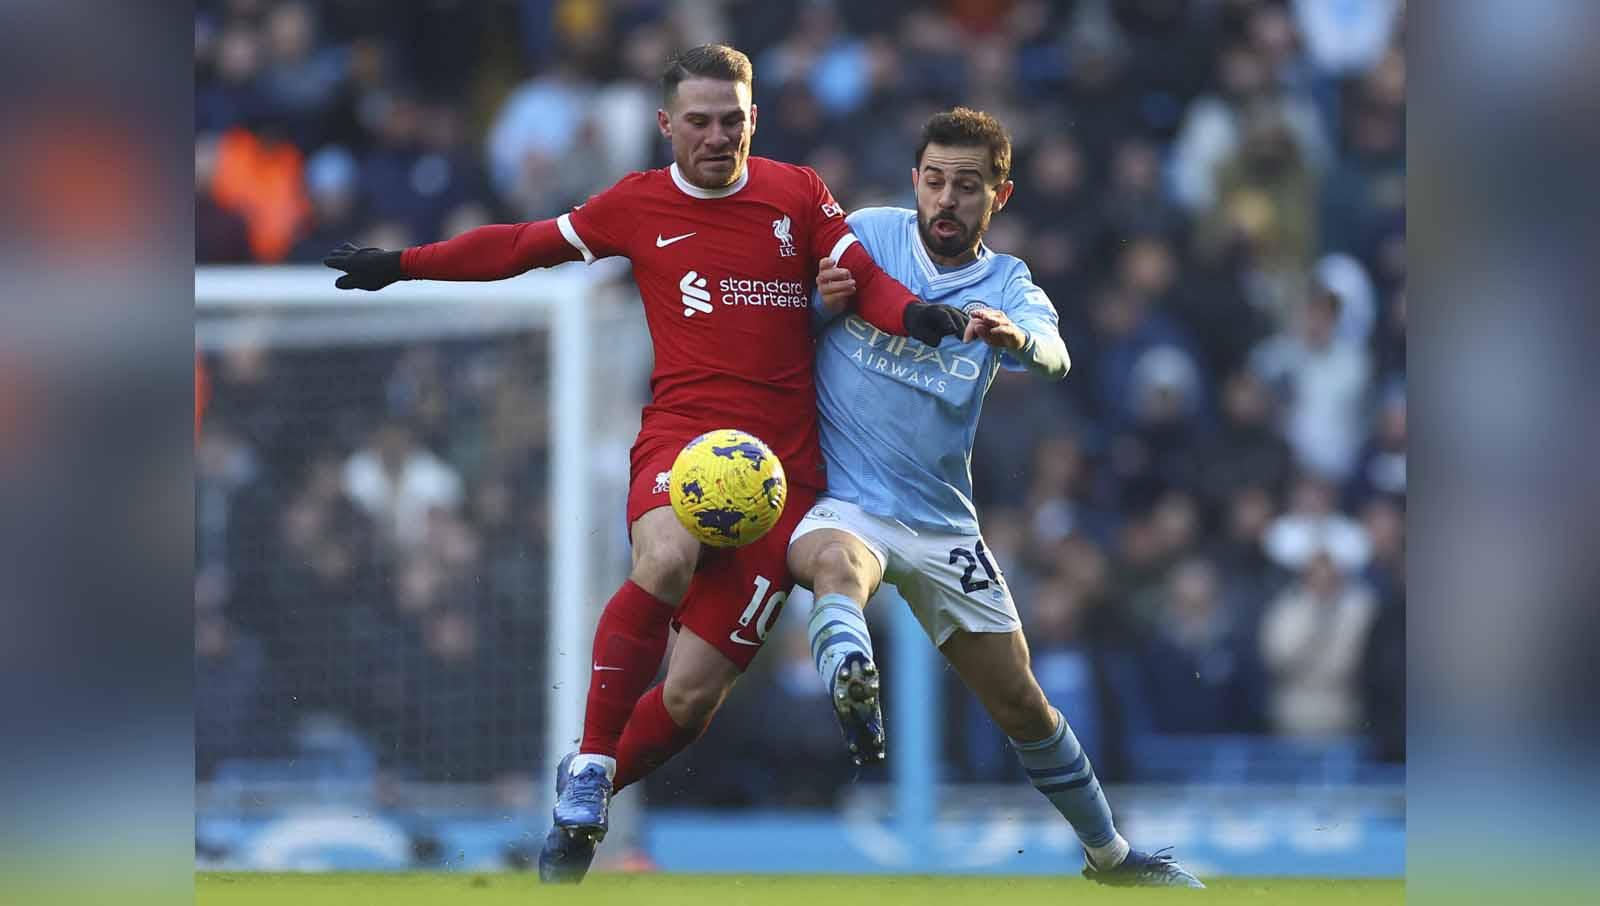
column 1204, row 525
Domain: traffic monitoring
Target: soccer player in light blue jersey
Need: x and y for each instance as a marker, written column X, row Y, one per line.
column 897, row 425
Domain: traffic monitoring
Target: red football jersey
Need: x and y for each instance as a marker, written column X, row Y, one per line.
column 726, row 277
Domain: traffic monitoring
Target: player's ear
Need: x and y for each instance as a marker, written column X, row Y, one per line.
column 1002, row 194
column 664, row 123
column 752, row 119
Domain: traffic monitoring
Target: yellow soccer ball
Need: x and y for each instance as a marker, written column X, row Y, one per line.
column 728, row 488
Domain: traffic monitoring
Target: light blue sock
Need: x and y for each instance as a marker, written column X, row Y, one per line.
column 1059, row 768
column 837, row 628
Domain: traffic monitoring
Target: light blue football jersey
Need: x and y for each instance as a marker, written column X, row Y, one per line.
column 898, row 417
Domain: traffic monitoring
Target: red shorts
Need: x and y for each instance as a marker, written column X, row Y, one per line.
column 737, row 593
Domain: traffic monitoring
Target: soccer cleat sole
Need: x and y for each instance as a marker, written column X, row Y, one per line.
column 855, row 700
column 567, row 862
column 587, row 834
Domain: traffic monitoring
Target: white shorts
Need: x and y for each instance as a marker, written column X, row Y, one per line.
column 949, row 580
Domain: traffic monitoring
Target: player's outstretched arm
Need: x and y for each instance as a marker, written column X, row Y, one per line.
column 364, row 268
column 886, row 304
column 1041, row 351
column 487, row 253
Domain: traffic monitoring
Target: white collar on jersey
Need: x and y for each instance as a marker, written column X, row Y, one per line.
column 967, row 275
column 689, row 188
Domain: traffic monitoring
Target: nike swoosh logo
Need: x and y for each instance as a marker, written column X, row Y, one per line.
column 663, row 243
column 598, row 667
column 734, row 636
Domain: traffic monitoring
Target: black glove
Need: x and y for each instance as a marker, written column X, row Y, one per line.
column 932, row 323
column 369, row 269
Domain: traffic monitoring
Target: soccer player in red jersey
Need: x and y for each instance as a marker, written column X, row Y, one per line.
column 725, row 250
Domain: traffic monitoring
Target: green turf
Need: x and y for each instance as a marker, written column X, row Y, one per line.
column 213, row 889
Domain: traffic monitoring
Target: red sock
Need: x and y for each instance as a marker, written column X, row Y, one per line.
column 651, row 738
column 628, row 646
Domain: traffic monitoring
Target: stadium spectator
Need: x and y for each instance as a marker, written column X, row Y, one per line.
column 832, row 63
column 1100, row 99
column 622, row 108
column 543, row 125
column 260, row 175
column 324, row 586
column 1381, row 468
column 399, row 483
column 1202, row 671
column 1323, row 381
column 1126, row 327
column 1265, row 202
column 1154, row 452
column 1245, row 448
column 1385, row 523
column 228, row 60
column 301, row 78
column 221, row 235
column 253, row 391
column 332, row 183
column 1251, row 577
column 416, row 174
column 451, row 700
column 1135, row 203
column 234, row 506
column 1313, row 638
column 1060, row 192
column 1061, row 494
column 230, row 682
column 1214, row 126
column 1366, row 189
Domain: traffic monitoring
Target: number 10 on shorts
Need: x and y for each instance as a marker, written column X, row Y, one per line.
column 761, row 612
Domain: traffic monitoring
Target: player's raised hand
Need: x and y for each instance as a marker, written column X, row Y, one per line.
column 993, row 327
column 364, row 268
column 836, row 285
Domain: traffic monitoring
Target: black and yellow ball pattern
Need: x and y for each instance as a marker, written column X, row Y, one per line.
column 728, row 488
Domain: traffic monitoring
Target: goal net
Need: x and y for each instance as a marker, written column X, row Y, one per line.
column 404, row 504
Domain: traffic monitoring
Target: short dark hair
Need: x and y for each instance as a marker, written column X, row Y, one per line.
column 708, row 61
column 965, row 126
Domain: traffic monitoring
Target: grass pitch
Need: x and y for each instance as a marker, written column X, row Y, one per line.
column 220, row 889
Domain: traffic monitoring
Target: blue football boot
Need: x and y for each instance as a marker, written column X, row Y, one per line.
column 581, row 820
column 1139, row 869
column 855, row 701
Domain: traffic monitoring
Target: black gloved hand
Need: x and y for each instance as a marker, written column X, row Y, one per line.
column 369, row 269
column 931, row 323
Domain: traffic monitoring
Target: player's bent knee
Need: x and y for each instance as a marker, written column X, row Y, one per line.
column 840, row 565
column 664, row 570
column 692, row 705
column 802, row 564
